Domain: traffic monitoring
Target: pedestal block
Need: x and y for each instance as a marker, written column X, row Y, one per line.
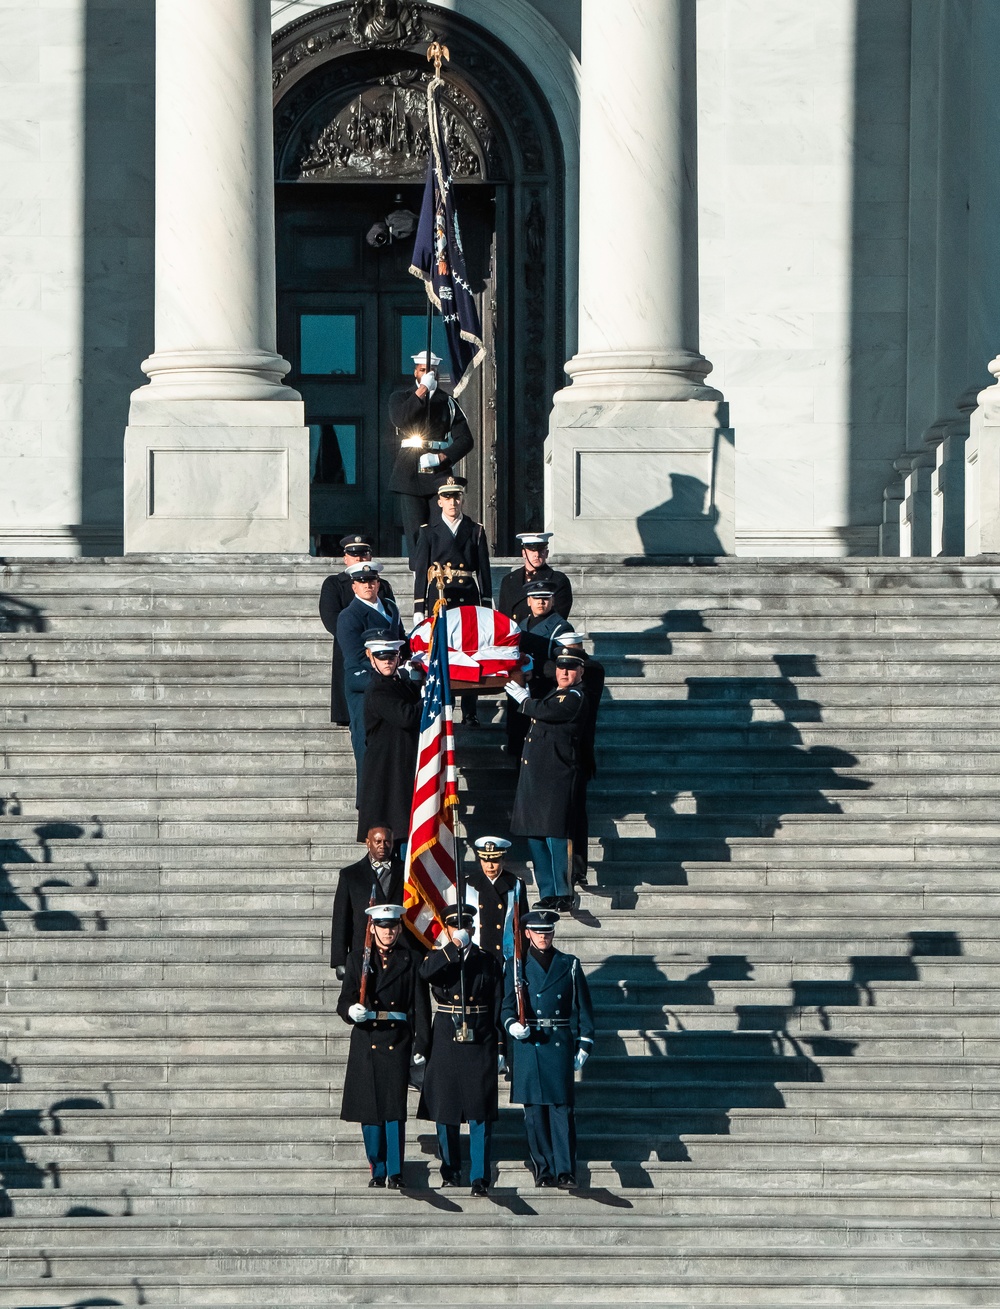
column 982, row 478
column 915, row 508
column 216, row 476
column 948, row 496
column 641, row 477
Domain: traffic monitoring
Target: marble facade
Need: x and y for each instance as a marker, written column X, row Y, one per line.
column 849, row 285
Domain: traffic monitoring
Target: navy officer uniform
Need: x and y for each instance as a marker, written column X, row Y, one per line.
column 552, row 1044
column 494, row 892
column 460, row 1083
column 389, row 1029
column 538, row 633
column 335, row 595
column 535, row 568
column 593, row 689
column 362, row 619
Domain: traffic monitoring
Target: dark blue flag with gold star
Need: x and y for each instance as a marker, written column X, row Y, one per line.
column 438, row 257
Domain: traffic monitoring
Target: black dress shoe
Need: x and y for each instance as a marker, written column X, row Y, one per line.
column 376, row 1181
column 478, row 1186
column 395, row 1182
column 567, row 1181
column 545, row 1179
column 450, row 1179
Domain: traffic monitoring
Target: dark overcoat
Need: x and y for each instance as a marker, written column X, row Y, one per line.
column 466, row 548
column 439, row 419
column 357, row 619
column 593, row 689
column 542, row 1064
column 494, row 901
column 537, row 635
column 334, row 597
column 548, row 785
column 460, row 1084
column 350, row 900
column 392, row 731
column 514, row 603
column 378, row 1063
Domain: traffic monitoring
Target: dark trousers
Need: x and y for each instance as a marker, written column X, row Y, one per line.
column 579, row 838
column 450, row 1149
column 385, row 1144
column 356, row 711
column 551, row 1130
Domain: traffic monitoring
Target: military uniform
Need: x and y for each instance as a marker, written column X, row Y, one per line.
column 460, row 1083
column 392, row 731
column 465, row 548
column 513, row 602
column 559, row 1018
column 438, row 422
column 378, row 1064
column 548, row 786
column 335, row 595
column 354, row 624
column 494, row 899
column 537, row 637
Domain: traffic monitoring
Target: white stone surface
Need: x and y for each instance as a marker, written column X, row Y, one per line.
column 982, row 472
column 640, row 477
column 215, row 429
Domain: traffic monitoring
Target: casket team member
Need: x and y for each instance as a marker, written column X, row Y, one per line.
column 571, row 643
column 460, row 1084
column 548, row 784
column 553, row 1042
column 335, row 595
column 461, row 543
column 366, row 616
column 392, row 730
column 538, row 633
column 434, row 435
column 535, row 568
column 391, row 1026
column 377, row 878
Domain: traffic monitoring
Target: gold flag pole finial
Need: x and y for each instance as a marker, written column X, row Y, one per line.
column 439, row 53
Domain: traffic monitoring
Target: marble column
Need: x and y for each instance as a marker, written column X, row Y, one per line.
column 638, row 454
column 216, row 451
column 915, row 508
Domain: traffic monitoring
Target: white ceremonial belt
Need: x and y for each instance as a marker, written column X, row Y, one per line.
column 457, row 1009
column 548, row 1022
column 390, row 1016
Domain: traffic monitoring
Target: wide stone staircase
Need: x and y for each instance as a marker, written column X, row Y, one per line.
column 790, row 932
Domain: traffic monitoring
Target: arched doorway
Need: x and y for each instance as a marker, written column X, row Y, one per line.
column 350, row 148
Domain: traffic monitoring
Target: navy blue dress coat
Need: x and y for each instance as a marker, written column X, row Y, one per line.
column 357, row 619
column 542, row 1064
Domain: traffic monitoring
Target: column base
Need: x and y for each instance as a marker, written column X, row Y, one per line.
column 218, row 476
column 640, row 477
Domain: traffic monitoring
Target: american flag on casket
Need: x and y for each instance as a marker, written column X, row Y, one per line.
column 481, row 643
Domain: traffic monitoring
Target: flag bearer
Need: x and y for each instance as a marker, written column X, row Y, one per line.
column 391, row 1027
column 553, row 1042
column 493, row 890
column 460, row 1084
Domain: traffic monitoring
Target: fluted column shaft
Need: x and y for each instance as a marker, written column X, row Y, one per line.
column 638, row 334
column 215, row 297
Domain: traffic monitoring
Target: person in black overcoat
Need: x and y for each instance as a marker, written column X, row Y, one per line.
column 493, row 890
column 335, row 595
column 390, row 1028
column 593, row 690
column 375, row 879
column 434, row 435
column 538, row 632
column 392, row 732
column 367, row 614
column 512, row 600
column 460, row 542
column 553, row 1043
column 549, row 782
column 460, row 1083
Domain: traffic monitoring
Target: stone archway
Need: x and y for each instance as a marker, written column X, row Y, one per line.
column 348, row 74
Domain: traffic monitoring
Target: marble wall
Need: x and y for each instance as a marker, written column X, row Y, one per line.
column 76, row 213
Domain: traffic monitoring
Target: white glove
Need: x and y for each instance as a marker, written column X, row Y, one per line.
column 430, row 381
column 359, row 1014
column 461, row 938
column 517, row 692
column 581, row 1058
column 501, row 1064
column 418, row 1060
column 518, row 1031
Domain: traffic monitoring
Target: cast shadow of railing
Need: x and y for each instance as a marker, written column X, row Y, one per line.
column 662, row 1077
column 20, row 616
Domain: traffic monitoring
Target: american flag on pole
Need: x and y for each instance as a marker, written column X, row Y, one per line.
column 430, row 857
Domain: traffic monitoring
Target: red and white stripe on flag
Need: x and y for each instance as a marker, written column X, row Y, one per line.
column 481, row 643
column 430, row 861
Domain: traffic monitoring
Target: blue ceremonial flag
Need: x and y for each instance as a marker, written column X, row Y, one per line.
column 438, row 257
